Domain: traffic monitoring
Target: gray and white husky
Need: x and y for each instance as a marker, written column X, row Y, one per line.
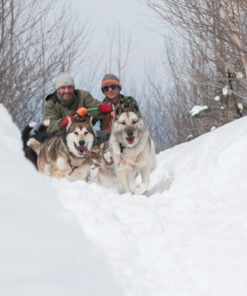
column 132, row 148
column 68, row 155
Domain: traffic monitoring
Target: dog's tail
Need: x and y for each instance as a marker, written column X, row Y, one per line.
column 34, row 144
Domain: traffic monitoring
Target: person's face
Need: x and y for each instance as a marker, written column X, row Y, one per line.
column 111, row 92
column 66, row 91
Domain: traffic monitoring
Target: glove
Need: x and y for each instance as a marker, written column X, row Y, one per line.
column 65, row 121
column 82, row 111
column 105, row 108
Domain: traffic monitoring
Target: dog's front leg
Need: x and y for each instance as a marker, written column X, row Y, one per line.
column 122, row 178
column 61, row 164
column 124, row 186
column 58, row 174
column 143, row 187
column 46, row 169
column 116, row 160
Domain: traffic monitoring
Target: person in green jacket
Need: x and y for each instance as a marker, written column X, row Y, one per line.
column 68, row 101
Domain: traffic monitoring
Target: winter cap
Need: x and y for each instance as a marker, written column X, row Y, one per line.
column 64, row 79
column 110, row 79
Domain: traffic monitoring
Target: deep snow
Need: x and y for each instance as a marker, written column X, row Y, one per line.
column 189, row 237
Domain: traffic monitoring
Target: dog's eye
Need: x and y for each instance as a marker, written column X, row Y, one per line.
column 134, row 121
column 86, row 133
column 76, row 133
column 123, row 123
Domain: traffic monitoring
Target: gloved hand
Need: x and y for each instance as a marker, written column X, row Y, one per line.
column 105, row 108
column 65, row 121
column 82, row 111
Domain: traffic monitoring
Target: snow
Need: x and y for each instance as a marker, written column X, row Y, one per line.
column 226, row 90
column 217, row 98
column 240, row 107
column 239, row 75
column 196, row 110
column 187, row 238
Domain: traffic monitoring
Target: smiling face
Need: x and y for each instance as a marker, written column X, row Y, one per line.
column 111, row 92
column 66, row 91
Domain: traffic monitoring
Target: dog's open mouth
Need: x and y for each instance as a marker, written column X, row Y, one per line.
column 110, row 161
column 82, row 149
column 130, row 140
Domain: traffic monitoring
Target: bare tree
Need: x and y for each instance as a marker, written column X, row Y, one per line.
column 119, row 49
column 214, row 45
column 36, row 44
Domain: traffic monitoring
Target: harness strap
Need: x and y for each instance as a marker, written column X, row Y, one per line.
column 72, row 167
column 121, row 147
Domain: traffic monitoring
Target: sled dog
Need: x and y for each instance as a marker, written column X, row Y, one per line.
column 37, row 131
column 132, row 148
column 106, row 175
column 66, row 156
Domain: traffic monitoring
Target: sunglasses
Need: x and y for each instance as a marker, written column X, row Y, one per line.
column 106, row 88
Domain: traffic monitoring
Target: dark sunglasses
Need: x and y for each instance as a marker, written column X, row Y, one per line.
column 106, row 88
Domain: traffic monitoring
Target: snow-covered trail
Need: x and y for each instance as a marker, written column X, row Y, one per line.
column 132, row 234
column 189, row 237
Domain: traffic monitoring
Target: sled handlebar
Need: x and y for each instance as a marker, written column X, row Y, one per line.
column 92, row 110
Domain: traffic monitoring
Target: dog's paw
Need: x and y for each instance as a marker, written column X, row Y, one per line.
column 141, row 189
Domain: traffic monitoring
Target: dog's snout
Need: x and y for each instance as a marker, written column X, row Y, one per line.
column 130, row 133
column 82, row 143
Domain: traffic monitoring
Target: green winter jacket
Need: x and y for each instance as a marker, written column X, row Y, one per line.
column 56, row 109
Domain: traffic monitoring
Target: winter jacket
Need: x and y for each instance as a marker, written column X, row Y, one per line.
column 106, row 121
column 56, row 109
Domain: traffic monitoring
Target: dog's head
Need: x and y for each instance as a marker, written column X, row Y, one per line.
column 79, row 137
column 128, row 124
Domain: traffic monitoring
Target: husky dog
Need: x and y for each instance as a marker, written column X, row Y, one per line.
column 66, row 156
column 106, row 175
column 132, row 148
column 37, row 131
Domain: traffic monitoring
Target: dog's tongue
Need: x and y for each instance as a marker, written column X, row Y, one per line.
column 83, row 149
column 130, row 140
column 111, row 161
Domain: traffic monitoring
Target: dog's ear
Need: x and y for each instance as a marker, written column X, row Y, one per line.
column 134, row 107
column 118, row 110
column 69, row 120
column 90, row 120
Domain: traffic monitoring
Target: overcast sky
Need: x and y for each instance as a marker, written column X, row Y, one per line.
column 130, row 15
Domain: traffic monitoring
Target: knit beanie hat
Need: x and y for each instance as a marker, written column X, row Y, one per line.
column 110, row 79
column 64, row 79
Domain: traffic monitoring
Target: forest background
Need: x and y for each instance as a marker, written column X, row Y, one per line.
column 202, row 63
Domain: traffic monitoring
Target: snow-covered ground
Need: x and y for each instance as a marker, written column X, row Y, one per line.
column 188, row 238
